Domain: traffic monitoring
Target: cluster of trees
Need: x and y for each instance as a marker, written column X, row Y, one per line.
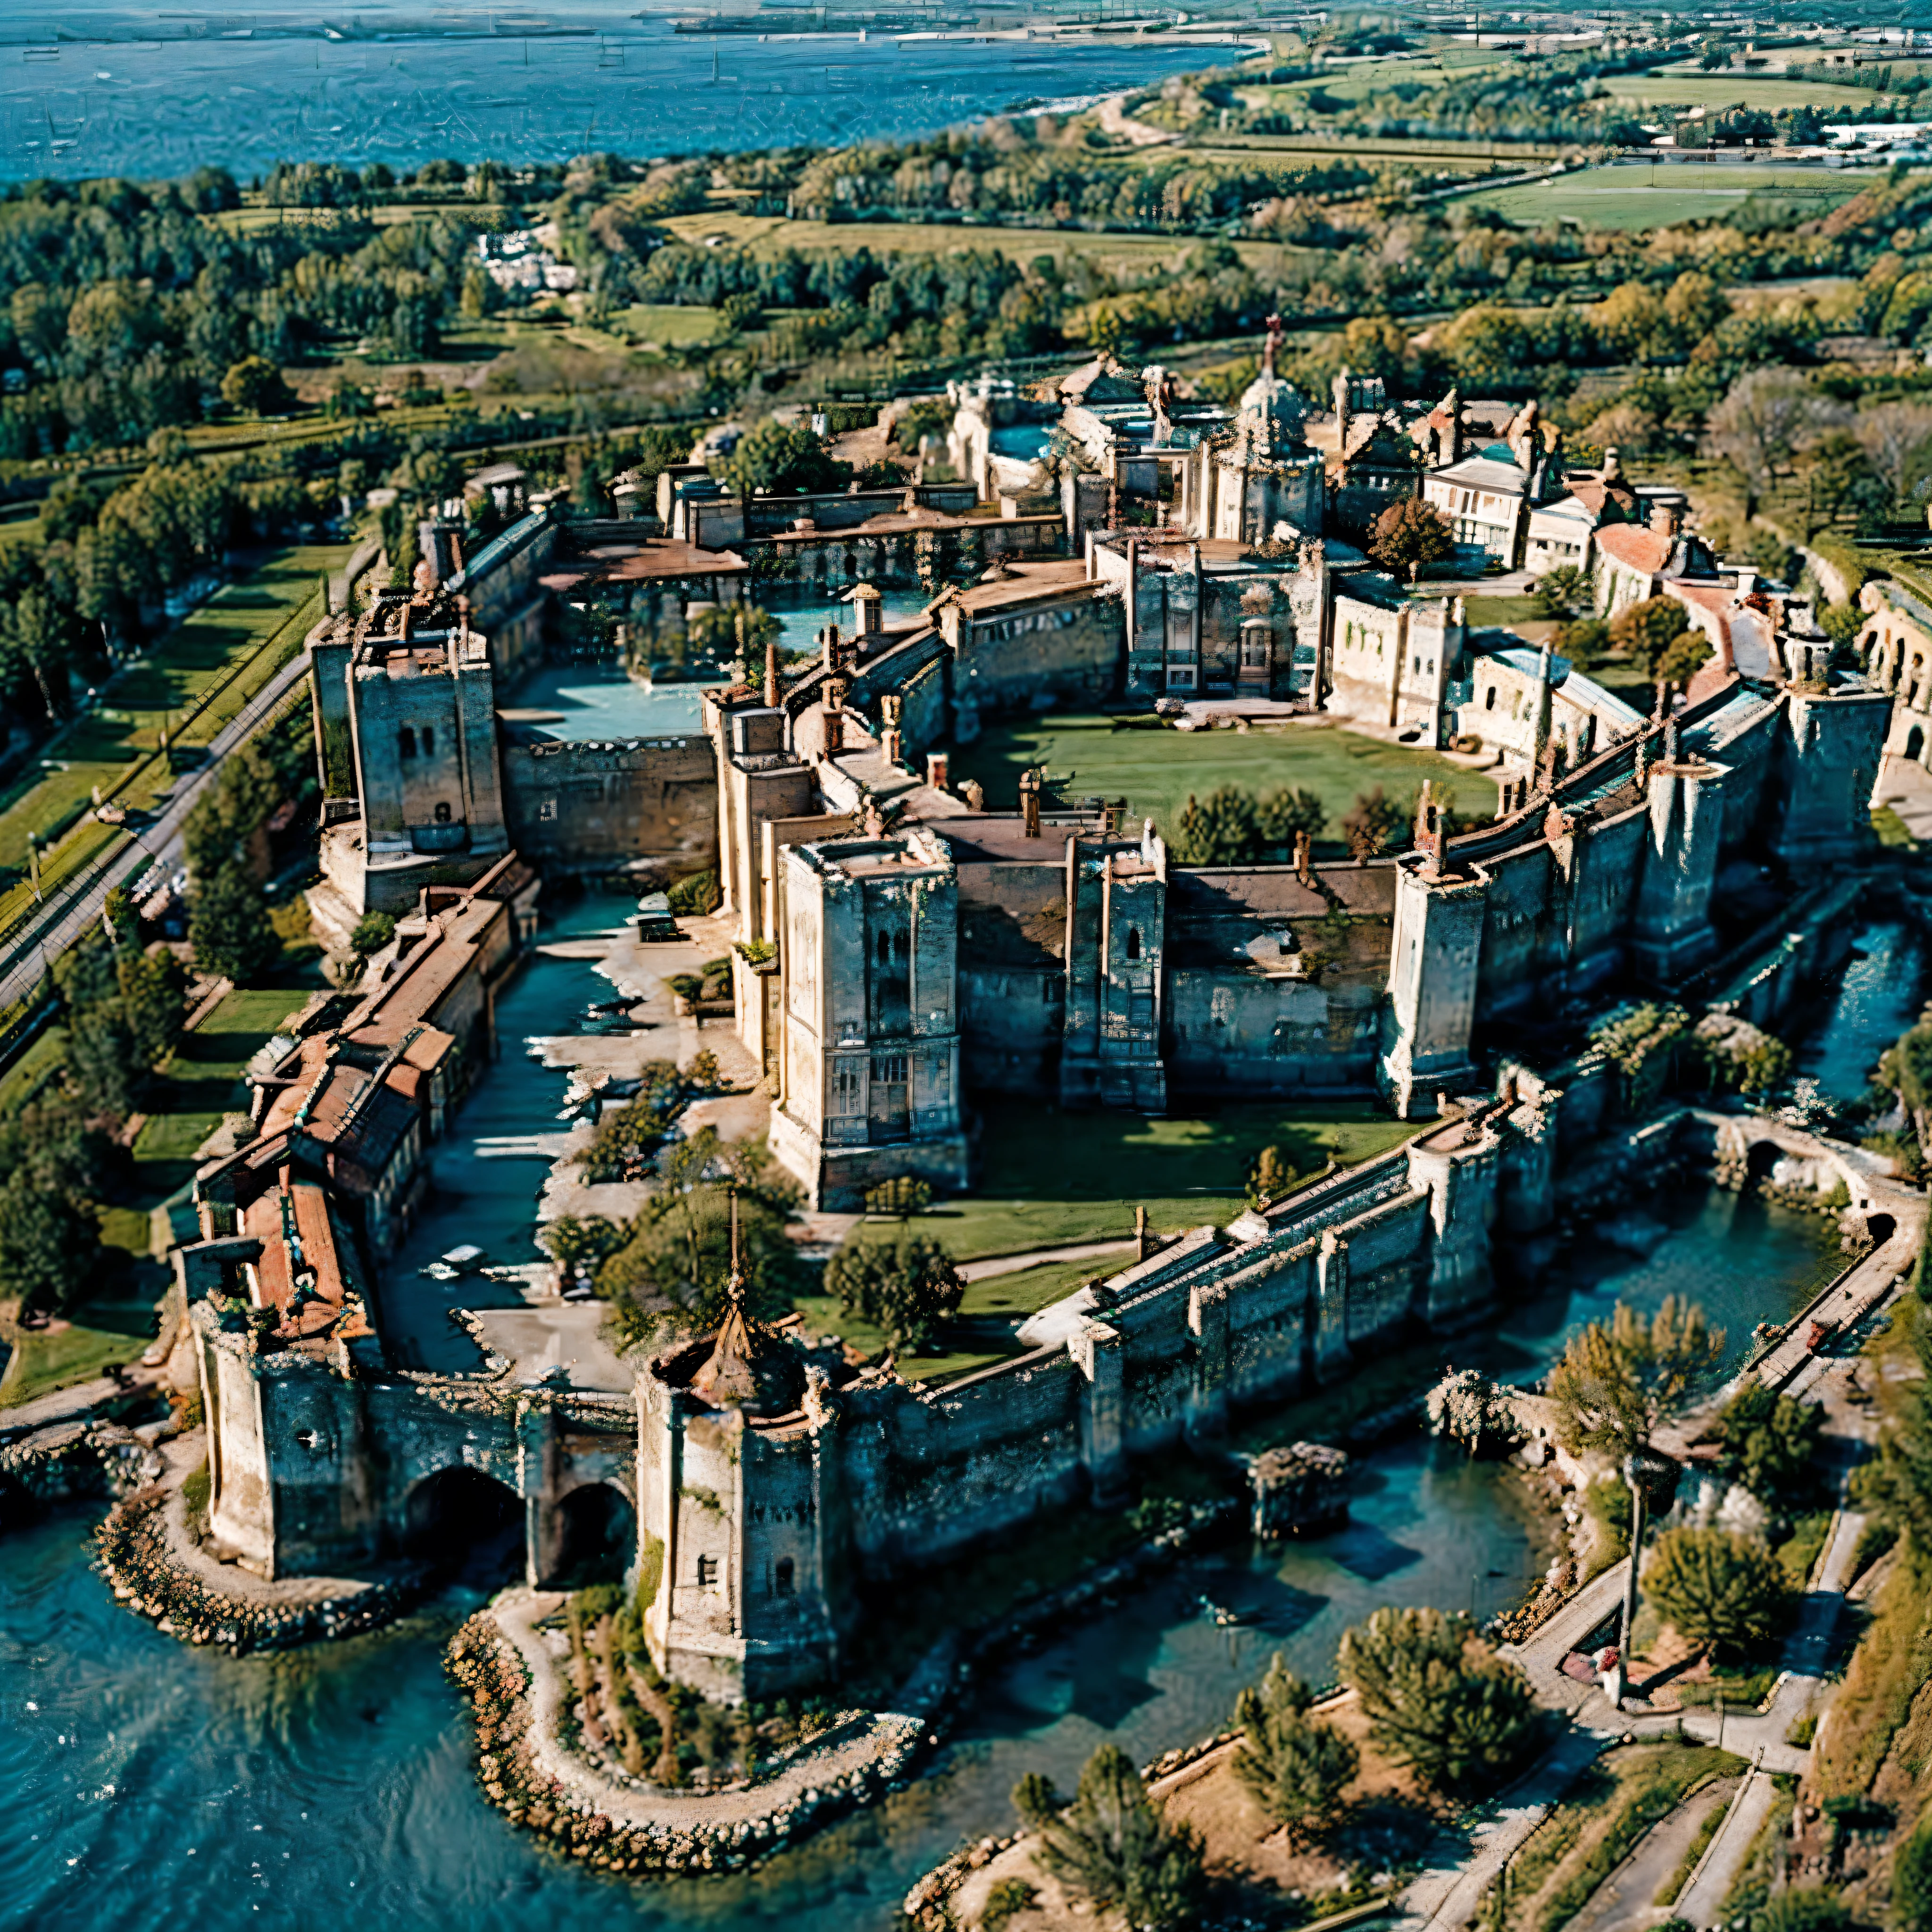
column 1438, row 1701
column 1617, row 1383
column 121, row 1008
column 230, row 856
column 1055, row 175
column 1230, row 827
column 667, row 1266
column 123, row 308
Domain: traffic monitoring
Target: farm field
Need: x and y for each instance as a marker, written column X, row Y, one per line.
column 1719, row 90
column 772, row 234
column 1649, row 194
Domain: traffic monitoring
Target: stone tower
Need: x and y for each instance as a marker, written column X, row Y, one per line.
column 870, row 1074
column 739, row 1512
column 1116, row 941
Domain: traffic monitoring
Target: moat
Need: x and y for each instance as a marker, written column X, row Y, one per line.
column 297, row 1789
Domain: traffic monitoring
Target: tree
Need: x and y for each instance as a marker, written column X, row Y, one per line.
column 1583, row 641
column 1280, row 815
column 904, row 1287
column 669, row 1274
column 255, row 385
column 1411, row 534
column 1373, row 824
column 1688, row 653
column 229, row 929
column 1217, row 830
column 580, row 1244
column 1644, row 630
column 1297, row 1768
column 1275, row 1173
column 50, row 1249
column 775, row 458
column 1722, row 1592
column 1111, row 1846
column 1558, row 593
column 1619, row 1381
column 1770, row 1443
column 1763, row 419
column 1438, row 1698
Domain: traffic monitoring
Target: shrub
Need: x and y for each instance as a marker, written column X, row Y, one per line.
column 1438, row 1698
column 695, row 897
column 702, row 1072
column 905, row 1287
column 374, row 931
column 1297, row 1769
column 904, row 1196
column 1723, row 1592
column 1006, row 1898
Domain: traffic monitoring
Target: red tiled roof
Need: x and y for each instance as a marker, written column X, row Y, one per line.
column 1636, row 547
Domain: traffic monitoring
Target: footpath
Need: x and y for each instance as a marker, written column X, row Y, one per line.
column 1446, row 1897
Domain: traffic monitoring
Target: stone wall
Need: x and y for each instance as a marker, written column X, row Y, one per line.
column 576, row 807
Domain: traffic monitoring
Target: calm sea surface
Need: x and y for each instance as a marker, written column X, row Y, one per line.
column 153, row 92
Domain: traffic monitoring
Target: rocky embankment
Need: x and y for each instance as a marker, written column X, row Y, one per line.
column 157, row 1572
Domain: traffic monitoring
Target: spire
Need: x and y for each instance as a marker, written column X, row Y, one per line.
column 1542, row 737
column 750, row 1366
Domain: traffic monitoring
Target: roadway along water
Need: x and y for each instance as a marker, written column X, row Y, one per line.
column 405, row 90
column 140, row 1779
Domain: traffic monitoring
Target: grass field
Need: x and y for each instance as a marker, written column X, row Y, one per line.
column 1155, row 770
column 1051, row 1179
column 1674, row 89
column 1647, row 194
column 772, row 234
column 199, row 1084
column 665, row 326
column 190, row 684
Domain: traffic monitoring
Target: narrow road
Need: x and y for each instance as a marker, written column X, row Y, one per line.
column 75, row 903
column 1622, row 1903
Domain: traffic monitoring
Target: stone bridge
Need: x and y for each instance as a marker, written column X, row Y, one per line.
column 317, row 1467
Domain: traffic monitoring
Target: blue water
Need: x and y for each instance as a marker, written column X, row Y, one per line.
column 140, row 1780
column 1878, row 999
column 593, row 702
column 103, row 100
column 800, row 620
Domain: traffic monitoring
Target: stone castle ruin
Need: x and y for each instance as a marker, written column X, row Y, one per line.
column 904, row 943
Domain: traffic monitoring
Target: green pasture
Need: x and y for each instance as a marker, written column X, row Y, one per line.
column 1652, row 194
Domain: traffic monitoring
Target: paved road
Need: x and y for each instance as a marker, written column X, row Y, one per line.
column 75, row 903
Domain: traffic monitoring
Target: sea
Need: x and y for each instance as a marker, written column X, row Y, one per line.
column 151, row 93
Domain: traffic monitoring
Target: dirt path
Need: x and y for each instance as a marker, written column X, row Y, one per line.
column 1623, row 1902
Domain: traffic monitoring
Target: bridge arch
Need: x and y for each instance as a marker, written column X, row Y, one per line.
column 595, row 1534
column 459, row 1518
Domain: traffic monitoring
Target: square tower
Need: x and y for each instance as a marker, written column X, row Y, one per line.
column 870, row 1072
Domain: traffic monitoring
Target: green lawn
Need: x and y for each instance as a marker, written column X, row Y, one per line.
column 1647, row 194
column 1155, row 770
column 201, row 1083
column 45, row 1360
column 1051, row 1179
column 190, row 684
column 1671, row 87
column 666, row 324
